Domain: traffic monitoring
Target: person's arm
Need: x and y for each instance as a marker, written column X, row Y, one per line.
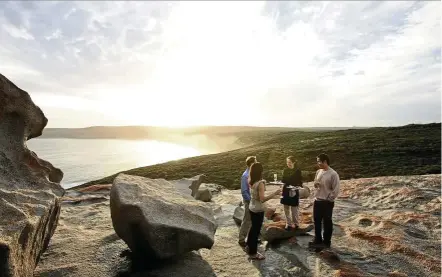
column 245, row 191
column 335, row 184
column 315, row 182
column 263, row 198
column 285, row 177
column 297, row 178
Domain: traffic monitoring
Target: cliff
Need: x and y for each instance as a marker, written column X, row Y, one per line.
column 29, row 186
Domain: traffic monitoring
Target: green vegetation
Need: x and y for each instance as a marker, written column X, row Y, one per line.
column 356, row 153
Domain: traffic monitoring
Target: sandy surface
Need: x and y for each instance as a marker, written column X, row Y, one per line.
column 388, row 226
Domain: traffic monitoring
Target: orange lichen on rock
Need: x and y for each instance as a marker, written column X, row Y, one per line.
column 408, row 216
column 387, row 224
column 367, row 236
column 397, row 274
column 406, row 191
column 306, row 217
column 392, row 246
column 349, row 272
column 271, row 214
column 421, row 258
column 277, row 218
column 82, row 198
column 281, row 224
column 344, row 269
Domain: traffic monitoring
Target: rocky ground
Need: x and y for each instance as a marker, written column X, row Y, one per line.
column 388, row 226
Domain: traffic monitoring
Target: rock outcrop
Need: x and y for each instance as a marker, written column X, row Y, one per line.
column 203, row 194
column 156, row 220
column 194, row 187
column 275, row 231
column 238, row 214
column 273, row 228
column 189, row 186
column 29, row 186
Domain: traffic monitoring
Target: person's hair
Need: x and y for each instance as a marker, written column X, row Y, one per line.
column 292, row 159
column 324, row 157
column 250, row 160
column 256, row 173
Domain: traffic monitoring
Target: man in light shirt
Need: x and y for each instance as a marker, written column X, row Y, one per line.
column 327, row 190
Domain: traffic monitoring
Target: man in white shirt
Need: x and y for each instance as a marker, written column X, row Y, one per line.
column 327, row 190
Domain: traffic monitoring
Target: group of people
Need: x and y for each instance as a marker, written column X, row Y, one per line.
column 253, row 187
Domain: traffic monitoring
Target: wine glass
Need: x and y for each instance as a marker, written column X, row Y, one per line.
column 275, row 177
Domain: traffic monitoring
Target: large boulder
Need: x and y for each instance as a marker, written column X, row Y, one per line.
column 304, row 192
column 29, row 186
column 156, row 220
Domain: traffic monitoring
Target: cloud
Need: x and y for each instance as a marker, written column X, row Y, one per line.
column 227, row 63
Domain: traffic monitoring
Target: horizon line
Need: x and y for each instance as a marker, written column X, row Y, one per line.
column 238, row 126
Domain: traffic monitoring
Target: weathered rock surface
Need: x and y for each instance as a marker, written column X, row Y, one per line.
column 189, row 186
column 29, row 186
column 304, row 192
column 204, row 194
column 85, row 230
column 238, row 215
column 273, row 228
column 275, row 231
column 155, row 220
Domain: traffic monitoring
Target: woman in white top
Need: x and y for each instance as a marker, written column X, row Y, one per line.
column 257, row 209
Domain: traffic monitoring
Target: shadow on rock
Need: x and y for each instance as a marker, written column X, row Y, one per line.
column 190, row 265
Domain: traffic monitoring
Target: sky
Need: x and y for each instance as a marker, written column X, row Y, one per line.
column 300, row 64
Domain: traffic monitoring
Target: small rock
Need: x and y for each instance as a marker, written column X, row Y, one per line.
column 204, row 195
column 238, row 215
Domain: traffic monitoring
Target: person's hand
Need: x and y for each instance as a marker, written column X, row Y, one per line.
column 278, row 191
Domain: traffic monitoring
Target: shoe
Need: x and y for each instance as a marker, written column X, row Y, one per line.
column 316, row 244
column 242, row 243
column 257, row 256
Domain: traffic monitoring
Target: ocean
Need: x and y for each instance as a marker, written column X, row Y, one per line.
column 83, row 160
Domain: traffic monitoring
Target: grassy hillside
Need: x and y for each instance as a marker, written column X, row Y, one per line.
column 406, row 150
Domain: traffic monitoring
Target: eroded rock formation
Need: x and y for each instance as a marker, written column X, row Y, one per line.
column 29, row 186
column 156, row 220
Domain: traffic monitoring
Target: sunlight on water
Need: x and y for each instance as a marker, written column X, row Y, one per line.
column 84, row 160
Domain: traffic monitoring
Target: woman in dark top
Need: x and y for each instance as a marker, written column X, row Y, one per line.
column 291, row 177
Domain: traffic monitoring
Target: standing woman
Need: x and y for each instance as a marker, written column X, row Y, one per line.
column 291, row 176
column 257, row 209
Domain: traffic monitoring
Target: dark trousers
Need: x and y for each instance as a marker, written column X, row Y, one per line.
column 252, row 237
column 322, row 214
